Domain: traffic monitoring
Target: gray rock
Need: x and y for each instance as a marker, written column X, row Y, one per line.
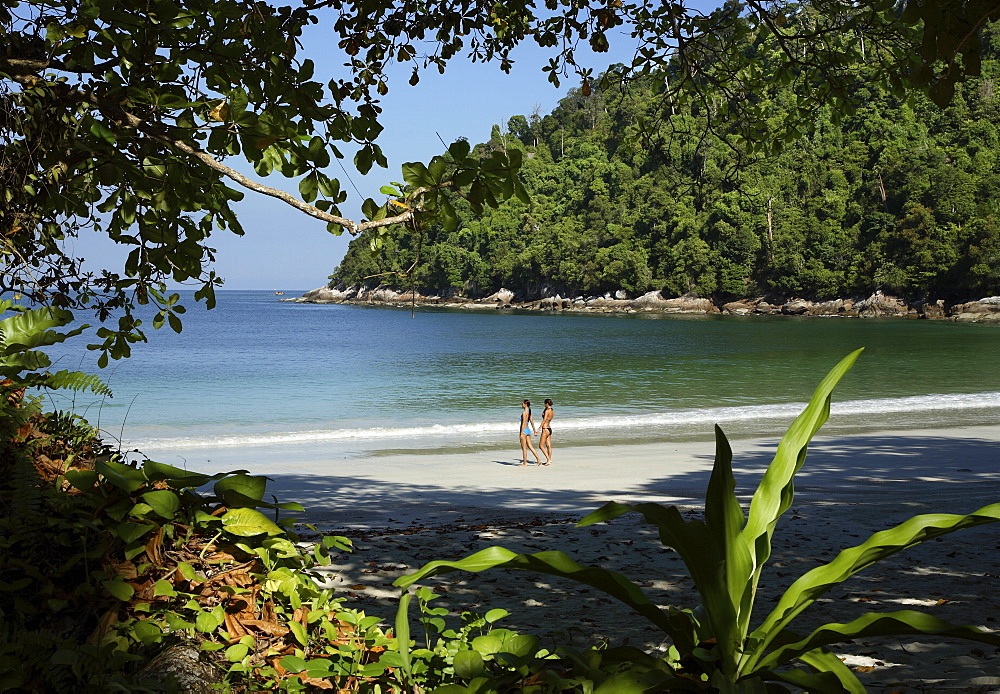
column 796, row 307
column 879, row 304
column 984, row 306
column 181, row 667
column 648, row 300
column 689, row 304
column 503, row 296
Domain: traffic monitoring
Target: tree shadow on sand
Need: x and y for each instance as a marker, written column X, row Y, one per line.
column 946, row 474
column 848, row 488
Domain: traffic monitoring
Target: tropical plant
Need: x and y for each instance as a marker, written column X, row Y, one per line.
column 714, row 647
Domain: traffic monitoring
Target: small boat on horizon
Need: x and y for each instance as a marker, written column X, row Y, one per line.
column 279, row 293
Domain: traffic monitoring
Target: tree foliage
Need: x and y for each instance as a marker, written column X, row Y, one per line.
column 120, row 119
column 897, row 196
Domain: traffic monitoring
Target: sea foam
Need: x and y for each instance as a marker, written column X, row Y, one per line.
column 652, row 423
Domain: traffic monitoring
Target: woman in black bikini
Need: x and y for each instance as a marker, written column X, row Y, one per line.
column 545, row 442
column 527, row 430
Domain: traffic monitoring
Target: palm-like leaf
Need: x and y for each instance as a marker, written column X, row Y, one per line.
column 875, row 624
column 776, row 489
column 811, row 585
column 554, row 564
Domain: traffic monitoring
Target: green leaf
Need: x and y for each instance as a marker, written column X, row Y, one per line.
column 121, row 590
column 459, row 149
column 164, row 588
column 247, row 486
column 293, row 663
column 186, row 570
column 164, row 502
column 130, row 532
column 82, row 479
column 247, row 522
column 552, row 563
column 811, row 585
column 872, row 624
column 468, row 664
column 237, row 652
column 724, row 520
column 775, row 491
column 147, row 632
column 415, row 174
column 402, row 625
column 831, row 674
column 208, row 621
column 299, row 632
column 123, row 476
column 495, row 615
column 102, row 132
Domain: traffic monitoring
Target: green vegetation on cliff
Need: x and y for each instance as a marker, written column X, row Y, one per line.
column 898, row 195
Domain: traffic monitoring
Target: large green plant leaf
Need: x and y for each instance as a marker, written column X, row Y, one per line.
column 125, row 477
column 776, row 489
column 724, row 519
column 31, row 329
column 874, row 624
column 248, row 489
column 704, row 558
column 831, row 674
column 807, row 588
column 246, row 522
column 554, row 564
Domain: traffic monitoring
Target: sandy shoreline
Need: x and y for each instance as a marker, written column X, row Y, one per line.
column 948, row 470
column 406, row 510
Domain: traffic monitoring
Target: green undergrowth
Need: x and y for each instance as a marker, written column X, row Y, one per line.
column 113, row 570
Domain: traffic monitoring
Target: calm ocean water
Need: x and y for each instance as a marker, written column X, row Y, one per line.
column 259, row 373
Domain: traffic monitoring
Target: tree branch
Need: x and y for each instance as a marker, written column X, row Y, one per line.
column 133, row 121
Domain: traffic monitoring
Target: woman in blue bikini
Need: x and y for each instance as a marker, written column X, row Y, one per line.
column 527, row 430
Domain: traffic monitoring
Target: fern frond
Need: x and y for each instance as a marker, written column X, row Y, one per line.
column 71, row 380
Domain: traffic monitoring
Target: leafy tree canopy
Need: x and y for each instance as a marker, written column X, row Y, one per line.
column 119, row 118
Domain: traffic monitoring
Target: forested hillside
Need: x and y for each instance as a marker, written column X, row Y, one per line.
column 898, row 196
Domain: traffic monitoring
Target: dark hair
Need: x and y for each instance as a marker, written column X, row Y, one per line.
column 526, row 402
column 548, row 401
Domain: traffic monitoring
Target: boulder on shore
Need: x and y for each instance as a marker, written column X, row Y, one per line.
column 323, row 295
column 987, row 309
column 652, row 299
column 689, row 304
column 879, row 304
column 502, row 296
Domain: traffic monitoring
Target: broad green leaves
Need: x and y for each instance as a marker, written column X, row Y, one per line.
column 712, row 646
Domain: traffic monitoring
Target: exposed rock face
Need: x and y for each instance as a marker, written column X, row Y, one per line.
column 330, row 295
column 796, row 307
column 382, row 294
column 927, row 309
column 504, row 296
column 987, row 309
column 879, row 304
column 689, row 304
column 648, row 300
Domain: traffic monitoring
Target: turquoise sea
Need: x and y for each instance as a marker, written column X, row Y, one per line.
column 260, row 374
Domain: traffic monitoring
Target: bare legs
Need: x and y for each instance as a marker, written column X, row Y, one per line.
column 545, row 445
column 525, row 445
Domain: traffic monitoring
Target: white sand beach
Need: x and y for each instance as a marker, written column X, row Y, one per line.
column 406, row 510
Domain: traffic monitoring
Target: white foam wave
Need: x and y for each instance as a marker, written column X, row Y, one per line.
column 650, row 422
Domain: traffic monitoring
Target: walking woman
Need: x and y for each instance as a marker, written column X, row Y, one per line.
column 545, row 441
column 527, row 430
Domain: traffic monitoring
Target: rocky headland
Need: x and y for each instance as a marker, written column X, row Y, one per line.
column 878, row 305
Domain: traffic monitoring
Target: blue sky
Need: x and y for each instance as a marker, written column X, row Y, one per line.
column 286, row 250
